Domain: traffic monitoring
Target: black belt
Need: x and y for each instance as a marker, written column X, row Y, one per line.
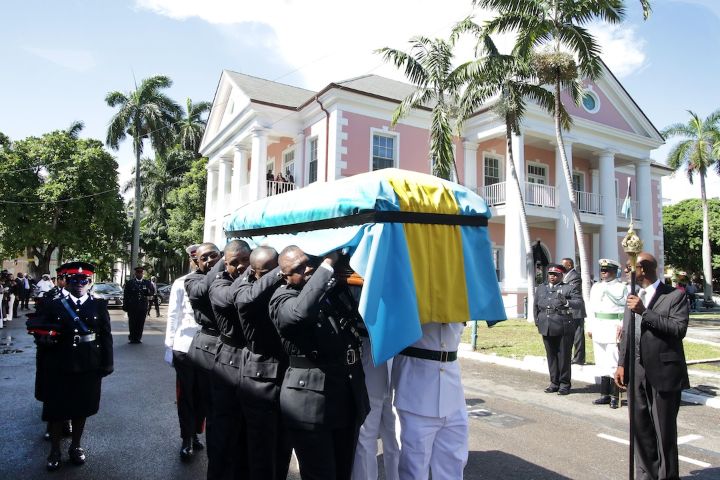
column 352, row 357
column 90, row 337
column 209, row 331
column 436, row 355
column 231, row 341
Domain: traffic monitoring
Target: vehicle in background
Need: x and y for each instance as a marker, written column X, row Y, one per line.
column 163, row 293
column 111, row 292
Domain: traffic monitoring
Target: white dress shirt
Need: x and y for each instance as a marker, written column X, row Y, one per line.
column 181, row 325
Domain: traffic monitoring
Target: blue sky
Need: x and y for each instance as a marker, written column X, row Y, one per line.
column 60, row 58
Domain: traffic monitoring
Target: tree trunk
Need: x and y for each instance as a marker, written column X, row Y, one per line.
column 706, row 252
column 43, row 255
column 579, row 234
column 529, row 263
column 135, row 249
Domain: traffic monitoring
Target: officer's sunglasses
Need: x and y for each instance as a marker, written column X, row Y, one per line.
column 79, row 281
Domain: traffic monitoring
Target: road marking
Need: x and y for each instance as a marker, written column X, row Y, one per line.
column 688, row 438
column 680, row 457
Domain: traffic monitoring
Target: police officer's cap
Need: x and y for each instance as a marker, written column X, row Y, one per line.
column 77, row 268
column 555, row 268
column 608, row 263
column 192, row 250
column 139, row 267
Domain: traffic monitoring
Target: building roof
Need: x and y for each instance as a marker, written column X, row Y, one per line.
column 377, row 86
column 269, row 92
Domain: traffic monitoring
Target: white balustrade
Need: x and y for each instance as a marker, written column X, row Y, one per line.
column 275, row 188
column 493, row 194
column 540, row 195
column 633, row 208
column 589, row 202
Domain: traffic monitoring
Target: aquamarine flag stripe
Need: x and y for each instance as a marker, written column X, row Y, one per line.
column 483, row 289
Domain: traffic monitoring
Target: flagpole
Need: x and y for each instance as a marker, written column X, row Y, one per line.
column 632, row 245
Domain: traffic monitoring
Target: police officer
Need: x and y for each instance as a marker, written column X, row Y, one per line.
column 323, row 398
column 554, row 304
column 77, row 357
column 135, row 303
column 607, row 305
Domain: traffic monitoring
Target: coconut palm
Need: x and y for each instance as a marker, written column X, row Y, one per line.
column 553, row 32
column 429, row 67
column 145, row 113
column 698, row 151
column 191, row 126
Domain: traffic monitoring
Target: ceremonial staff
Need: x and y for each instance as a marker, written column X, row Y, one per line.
column 632, row 245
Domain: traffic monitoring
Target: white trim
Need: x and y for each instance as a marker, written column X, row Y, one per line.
column 385, row 132
column 590, row 92
column 270, row 162
column 283, row 165
column 536, row 163
column 308, row 149
column 500, row 261
column 501, row 165
column 584, row 183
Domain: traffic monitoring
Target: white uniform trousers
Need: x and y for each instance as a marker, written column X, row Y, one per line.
column 11, row 304
column 606, row 358
column 432, row 443
column 380, row 422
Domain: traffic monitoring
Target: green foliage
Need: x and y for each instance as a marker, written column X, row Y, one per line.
column 682, row 227
column 187, row 206
column 61, row 192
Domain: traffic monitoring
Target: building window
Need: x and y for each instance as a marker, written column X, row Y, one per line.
column 591, row 102
column 313, row 161
column 383, row 152
column 497, row 259
column 578, row 181
column 288, row 167
column 537, row 174
column 492, row 170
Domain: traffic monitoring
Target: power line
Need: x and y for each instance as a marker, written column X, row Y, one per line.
column 60, row 201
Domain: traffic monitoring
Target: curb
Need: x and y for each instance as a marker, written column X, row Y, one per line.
column 581, row 373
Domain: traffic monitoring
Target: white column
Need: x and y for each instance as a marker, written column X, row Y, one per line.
column 239, row 174
column 514, row 260
column 644, row 198
column 223, row 187
column 470, row 173
column 299, row 160
column 209, row 200
column 594, row 265
column 608, row 228
column 564, row 228
column 258, row 186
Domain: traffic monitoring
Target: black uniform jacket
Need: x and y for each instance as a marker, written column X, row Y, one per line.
column 205, row 343
column 553, row 308
column 663, row 326
column 574, row 279
column 265, row 360
column 136, row 293
column 331, row 393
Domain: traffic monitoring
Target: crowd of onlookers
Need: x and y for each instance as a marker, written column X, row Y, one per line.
column 16, row 290
column 279, row 183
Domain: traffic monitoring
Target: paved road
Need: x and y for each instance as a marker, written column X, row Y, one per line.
column 517, row 431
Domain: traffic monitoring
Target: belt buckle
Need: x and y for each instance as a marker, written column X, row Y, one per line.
column 444, row 356
column 350, row 357
column 76, row 340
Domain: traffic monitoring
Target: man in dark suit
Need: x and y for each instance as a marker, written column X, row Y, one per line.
column 572, row 277
column 136, row 293
column 554, row 302
column 661, row 321
column 323, row 398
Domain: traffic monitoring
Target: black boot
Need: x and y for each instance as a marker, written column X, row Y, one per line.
column 196, row 443
column 53, row 460
column 605, row 387
column 186, row 451
column 615, row 396
column 67, row 428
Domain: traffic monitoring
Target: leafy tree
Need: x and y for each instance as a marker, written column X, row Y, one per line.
column 191, row 126
column 695, row 154
column 683, row 228
column 145, row 113
column 186, row 222
column 64, row 197
column 429, row 67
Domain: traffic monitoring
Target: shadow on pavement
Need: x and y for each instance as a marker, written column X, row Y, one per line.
column 496, row 464
column 705, row 474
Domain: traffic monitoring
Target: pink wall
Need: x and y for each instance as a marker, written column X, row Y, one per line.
column 607, row 115
column 276, row 150
column 547, row 237
column 497, row 233
column 540, row 155
column 495, row 144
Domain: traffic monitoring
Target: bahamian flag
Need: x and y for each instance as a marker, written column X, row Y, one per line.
column 626, row 208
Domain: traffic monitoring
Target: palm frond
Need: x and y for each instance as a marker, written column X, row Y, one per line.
column 584, row 45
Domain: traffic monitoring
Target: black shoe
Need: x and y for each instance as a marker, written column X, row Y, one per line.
column 603, row 400
column 551, row 389
column 67, row 429
column 186, row 451
column 196, row 443
column 77, row 455
column 614, row 402
column 135, row 341
column 54, row 461
column 564, row 391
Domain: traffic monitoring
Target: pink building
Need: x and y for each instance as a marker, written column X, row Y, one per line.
column 257, row 127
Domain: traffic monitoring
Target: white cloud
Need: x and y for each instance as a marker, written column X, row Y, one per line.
column 622, row 50
column 326, row 40
column 78, row 60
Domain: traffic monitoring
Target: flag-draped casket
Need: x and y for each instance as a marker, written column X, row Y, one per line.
column 420, row 243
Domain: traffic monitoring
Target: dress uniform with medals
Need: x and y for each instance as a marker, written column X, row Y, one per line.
column 78, row 353
column 607, row 306
column 136, row 295
column 323, row 400
column 554, row 304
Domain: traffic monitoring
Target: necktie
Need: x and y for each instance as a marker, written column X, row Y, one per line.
column 79, row 304
column 642, row 294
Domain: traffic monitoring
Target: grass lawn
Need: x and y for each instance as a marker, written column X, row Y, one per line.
column 518, row 338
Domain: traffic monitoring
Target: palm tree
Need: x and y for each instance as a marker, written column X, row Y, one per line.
column 507, row 82
column 191, row 126
column 429, row 67
column 145, row 113
column 557, row 26
column 696, row 153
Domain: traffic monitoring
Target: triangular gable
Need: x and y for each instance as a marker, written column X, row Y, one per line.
column 228, row 101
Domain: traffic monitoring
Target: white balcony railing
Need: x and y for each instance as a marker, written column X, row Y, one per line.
column 493, row 194
column 589, row 202
column 275, row 188
column 633, row 207
column 540, row 195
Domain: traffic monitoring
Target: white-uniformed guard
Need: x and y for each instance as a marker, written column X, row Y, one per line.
column 607, row 305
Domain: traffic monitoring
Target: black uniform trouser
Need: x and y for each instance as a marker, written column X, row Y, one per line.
column 230, row 459
column 655, row 419
column 325, row 454
column 136, row 322
column 579, row 341
column 190, row 406
column 154, row 302
column 559, row 350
